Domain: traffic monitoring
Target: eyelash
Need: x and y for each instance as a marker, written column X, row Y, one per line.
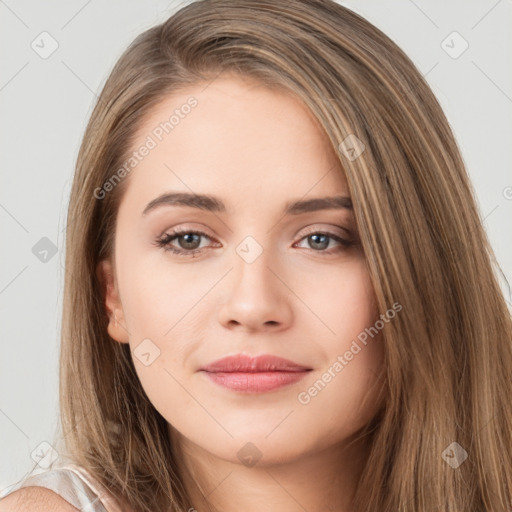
column 165, row 240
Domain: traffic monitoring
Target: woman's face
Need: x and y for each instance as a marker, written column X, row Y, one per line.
column 267, row 278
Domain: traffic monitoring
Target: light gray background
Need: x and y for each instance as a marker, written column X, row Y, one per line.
column 44, row 107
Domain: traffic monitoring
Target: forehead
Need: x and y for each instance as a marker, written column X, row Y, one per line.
column 234, row 137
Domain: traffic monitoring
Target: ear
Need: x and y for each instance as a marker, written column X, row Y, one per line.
column 110, row 296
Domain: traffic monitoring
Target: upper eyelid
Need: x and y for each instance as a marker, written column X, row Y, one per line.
column 310, row 230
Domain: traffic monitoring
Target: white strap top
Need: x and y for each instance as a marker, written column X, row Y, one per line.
column 75, row 485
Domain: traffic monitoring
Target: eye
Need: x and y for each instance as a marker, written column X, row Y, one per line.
column 319, row 241
column 188, row 239
column 190, row 242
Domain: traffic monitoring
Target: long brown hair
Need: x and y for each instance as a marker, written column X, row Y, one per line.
column 448, row 352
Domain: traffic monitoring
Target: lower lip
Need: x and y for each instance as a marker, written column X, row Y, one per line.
column 255, row 382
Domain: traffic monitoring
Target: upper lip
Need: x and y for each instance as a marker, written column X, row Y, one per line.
column 249, row 364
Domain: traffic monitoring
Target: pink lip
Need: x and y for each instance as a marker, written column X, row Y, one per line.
column 243, row 372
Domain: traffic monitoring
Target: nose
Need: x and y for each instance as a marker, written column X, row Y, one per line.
column 256, row 296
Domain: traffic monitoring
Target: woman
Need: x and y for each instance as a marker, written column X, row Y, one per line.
column 279, row 293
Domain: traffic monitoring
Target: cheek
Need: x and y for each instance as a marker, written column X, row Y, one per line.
column 161, row 316
column 341, row 298
column 154, row 299
column 347, row 385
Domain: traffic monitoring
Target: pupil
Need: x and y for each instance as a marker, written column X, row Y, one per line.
column 188, row 240
column 315, row 240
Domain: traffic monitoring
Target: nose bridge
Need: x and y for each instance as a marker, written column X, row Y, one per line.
column 255, row 297
column 252, row 259
column 250, row 249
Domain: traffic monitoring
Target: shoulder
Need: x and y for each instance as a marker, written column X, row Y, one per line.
column 35, row 499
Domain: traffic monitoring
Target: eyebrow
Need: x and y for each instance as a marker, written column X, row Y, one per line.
column 215, row 205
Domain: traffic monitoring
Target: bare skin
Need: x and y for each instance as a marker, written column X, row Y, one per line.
column 303, row 298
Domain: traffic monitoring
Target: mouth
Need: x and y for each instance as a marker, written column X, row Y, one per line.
column 245, row 373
